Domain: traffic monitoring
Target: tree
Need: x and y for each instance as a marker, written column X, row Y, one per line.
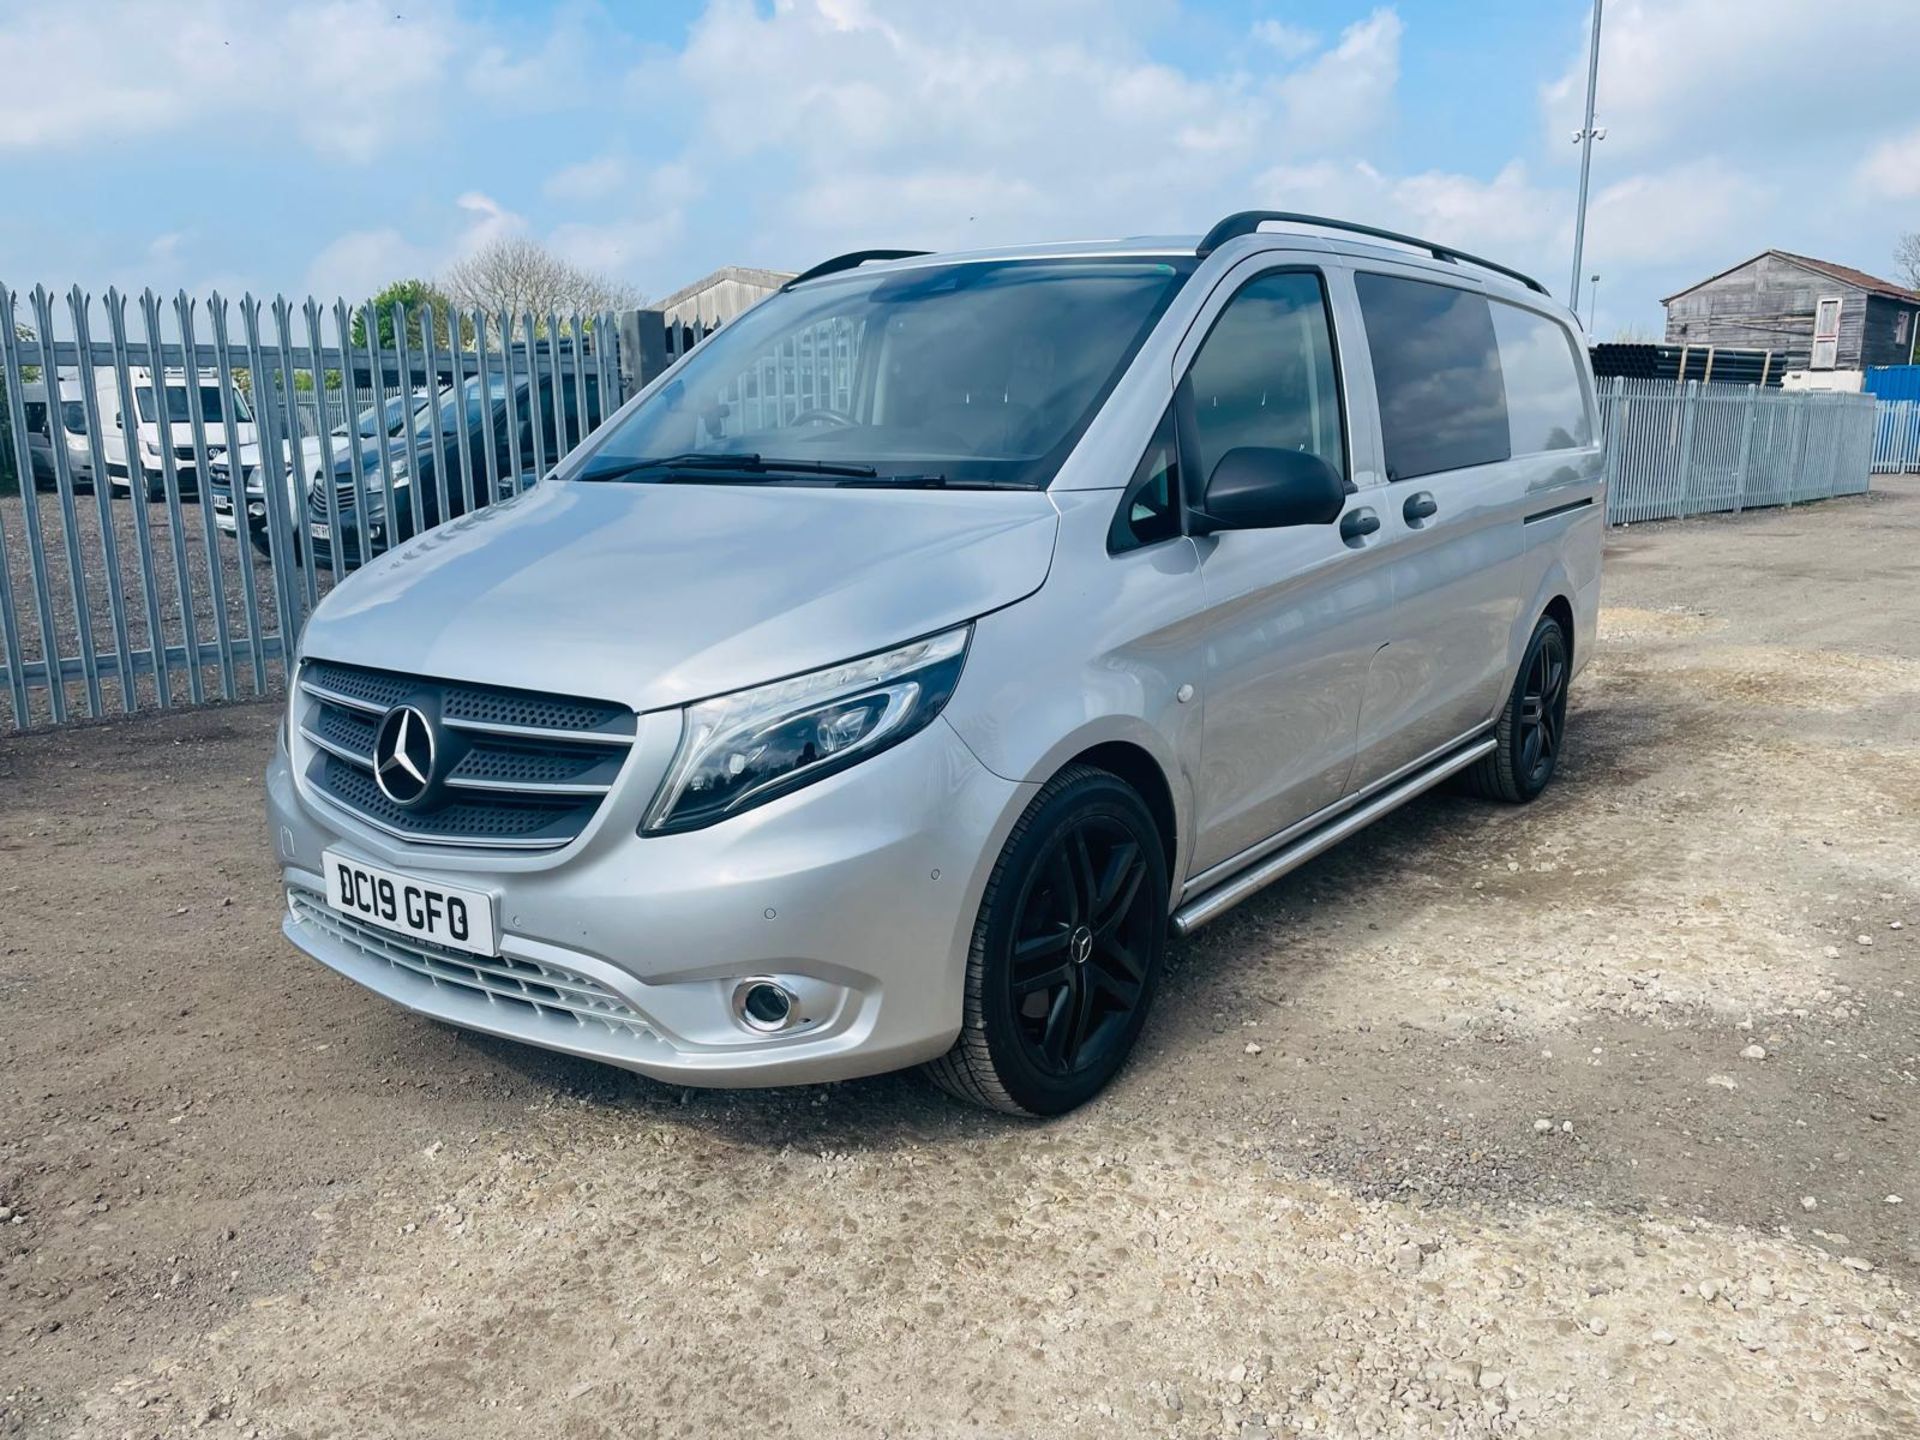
column 417, row 296
column 1906, row 256
column 519, row 276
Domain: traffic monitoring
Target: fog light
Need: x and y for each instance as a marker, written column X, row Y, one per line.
column 765, row 1005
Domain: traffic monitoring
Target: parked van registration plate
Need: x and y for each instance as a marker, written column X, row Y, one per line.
column 444, row 914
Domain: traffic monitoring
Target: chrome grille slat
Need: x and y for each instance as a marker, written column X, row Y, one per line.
column 550, row 990
column 333, row 697
column 361, row 758
column 525, row 787
column 519, row 770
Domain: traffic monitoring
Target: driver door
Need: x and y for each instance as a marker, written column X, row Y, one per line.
column 1294, row 615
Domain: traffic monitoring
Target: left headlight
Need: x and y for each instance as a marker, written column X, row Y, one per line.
column 741, row 750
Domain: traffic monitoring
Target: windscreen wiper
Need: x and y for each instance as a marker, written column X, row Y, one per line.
column 928, row 482
column 728, row 464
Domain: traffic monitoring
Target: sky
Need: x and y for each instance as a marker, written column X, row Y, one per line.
column 327, row 147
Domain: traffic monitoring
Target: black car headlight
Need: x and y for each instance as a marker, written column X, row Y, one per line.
column 741, row 750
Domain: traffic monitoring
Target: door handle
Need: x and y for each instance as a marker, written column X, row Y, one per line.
column 1419, row 506
column 1356, row 525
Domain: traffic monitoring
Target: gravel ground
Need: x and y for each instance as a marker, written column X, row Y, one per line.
column 1593, row 1119
column 137, row 607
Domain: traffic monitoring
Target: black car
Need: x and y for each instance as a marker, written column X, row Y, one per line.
column 430, row 484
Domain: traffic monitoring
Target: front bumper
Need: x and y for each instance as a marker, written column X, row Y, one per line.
column 859, row 893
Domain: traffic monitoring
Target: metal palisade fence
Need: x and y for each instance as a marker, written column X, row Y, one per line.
column 190, row 479
column 1896, row 437
column 1688, row 449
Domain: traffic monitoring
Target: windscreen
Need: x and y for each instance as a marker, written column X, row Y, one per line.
column 982, row 371
column 178, row 411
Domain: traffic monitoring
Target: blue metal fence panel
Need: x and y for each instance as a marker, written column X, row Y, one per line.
column 1893, row 382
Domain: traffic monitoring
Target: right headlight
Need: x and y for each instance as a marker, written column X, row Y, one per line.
column 741, row 750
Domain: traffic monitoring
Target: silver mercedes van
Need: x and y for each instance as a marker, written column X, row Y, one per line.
column 889, row 680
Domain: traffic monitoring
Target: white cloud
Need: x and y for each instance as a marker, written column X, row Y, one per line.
column 1347, row 93
column 1754, row 74
column 1508, row 218
column 361, row 262
column 1290, row 42
column 589, row 180
column 350, row 79
column 802, row 126
column 631, row 246
column 487, row 221
column 974, row 124
column 1698, row 212
column 1891, row 170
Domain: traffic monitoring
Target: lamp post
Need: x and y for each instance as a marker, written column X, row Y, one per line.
column 1584, row 138
column 1593, row 299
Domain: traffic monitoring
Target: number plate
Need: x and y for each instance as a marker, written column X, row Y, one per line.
column 445, row 914
column 321, row 531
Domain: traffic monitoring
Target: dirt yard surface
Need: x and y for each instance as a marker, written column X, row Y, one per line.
column 1593, row 1119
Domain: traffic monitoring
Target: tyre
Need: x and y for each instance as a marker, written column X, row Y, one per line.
column 1066, row 950
column 156, row 492
column 1532, row 726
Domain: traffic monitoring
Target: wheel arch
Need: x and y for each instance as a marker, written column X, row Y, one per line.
column 1561, row 609
column 1133, row 764
column 1135, row 751
column 1553, row 596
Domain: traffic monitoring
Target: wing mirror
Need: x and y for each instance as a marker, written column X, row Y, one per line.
column 1257, row 488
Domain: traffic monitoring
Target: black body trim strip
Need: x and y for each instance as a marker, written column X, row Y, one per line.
column 1565, row 509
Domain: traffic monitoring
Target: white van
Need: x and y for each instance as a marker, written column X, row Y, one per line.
column 145, row 433
column 60, row 424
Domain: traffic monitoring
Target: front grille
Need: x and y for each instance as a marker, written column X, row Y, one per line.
column 183, row 452
column 531, row 991
column 515, row 769
column 343, row 496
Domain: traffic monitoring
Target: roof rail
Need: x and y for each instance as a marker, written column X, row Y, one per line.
column 1248, row 222
column 852, row 260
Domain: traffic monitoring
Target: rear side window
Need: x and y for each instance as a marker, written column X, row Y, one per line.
column 1265, row 376
column 1436, row 366
column 36, row 411
column 1546, row 404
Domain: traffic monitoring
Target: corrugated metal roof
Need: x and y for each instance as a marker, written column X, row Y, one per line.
column 1852, row 276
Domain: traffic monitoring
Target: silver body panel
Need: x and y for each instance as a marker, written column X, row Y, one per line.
column 1287, row 685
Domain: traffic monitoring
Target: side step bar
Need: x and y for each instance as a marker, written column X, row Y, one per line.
column 1223, row 897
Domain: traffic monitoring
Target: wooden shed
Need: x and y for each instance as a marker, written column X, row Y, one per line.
column 1815, row 314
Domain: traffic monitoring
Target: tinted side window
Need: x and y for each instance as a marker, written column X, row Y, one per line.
column 1546, row 405
column 1150, row 507
column 1265, row 376
column 36, row 411
column 1436, row 365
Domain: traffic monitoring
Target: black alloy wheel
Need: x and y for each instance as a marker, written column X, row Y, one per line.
column 1078, row 971
column 1530, row 735
column 1066, row 951
column 1543, row 708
